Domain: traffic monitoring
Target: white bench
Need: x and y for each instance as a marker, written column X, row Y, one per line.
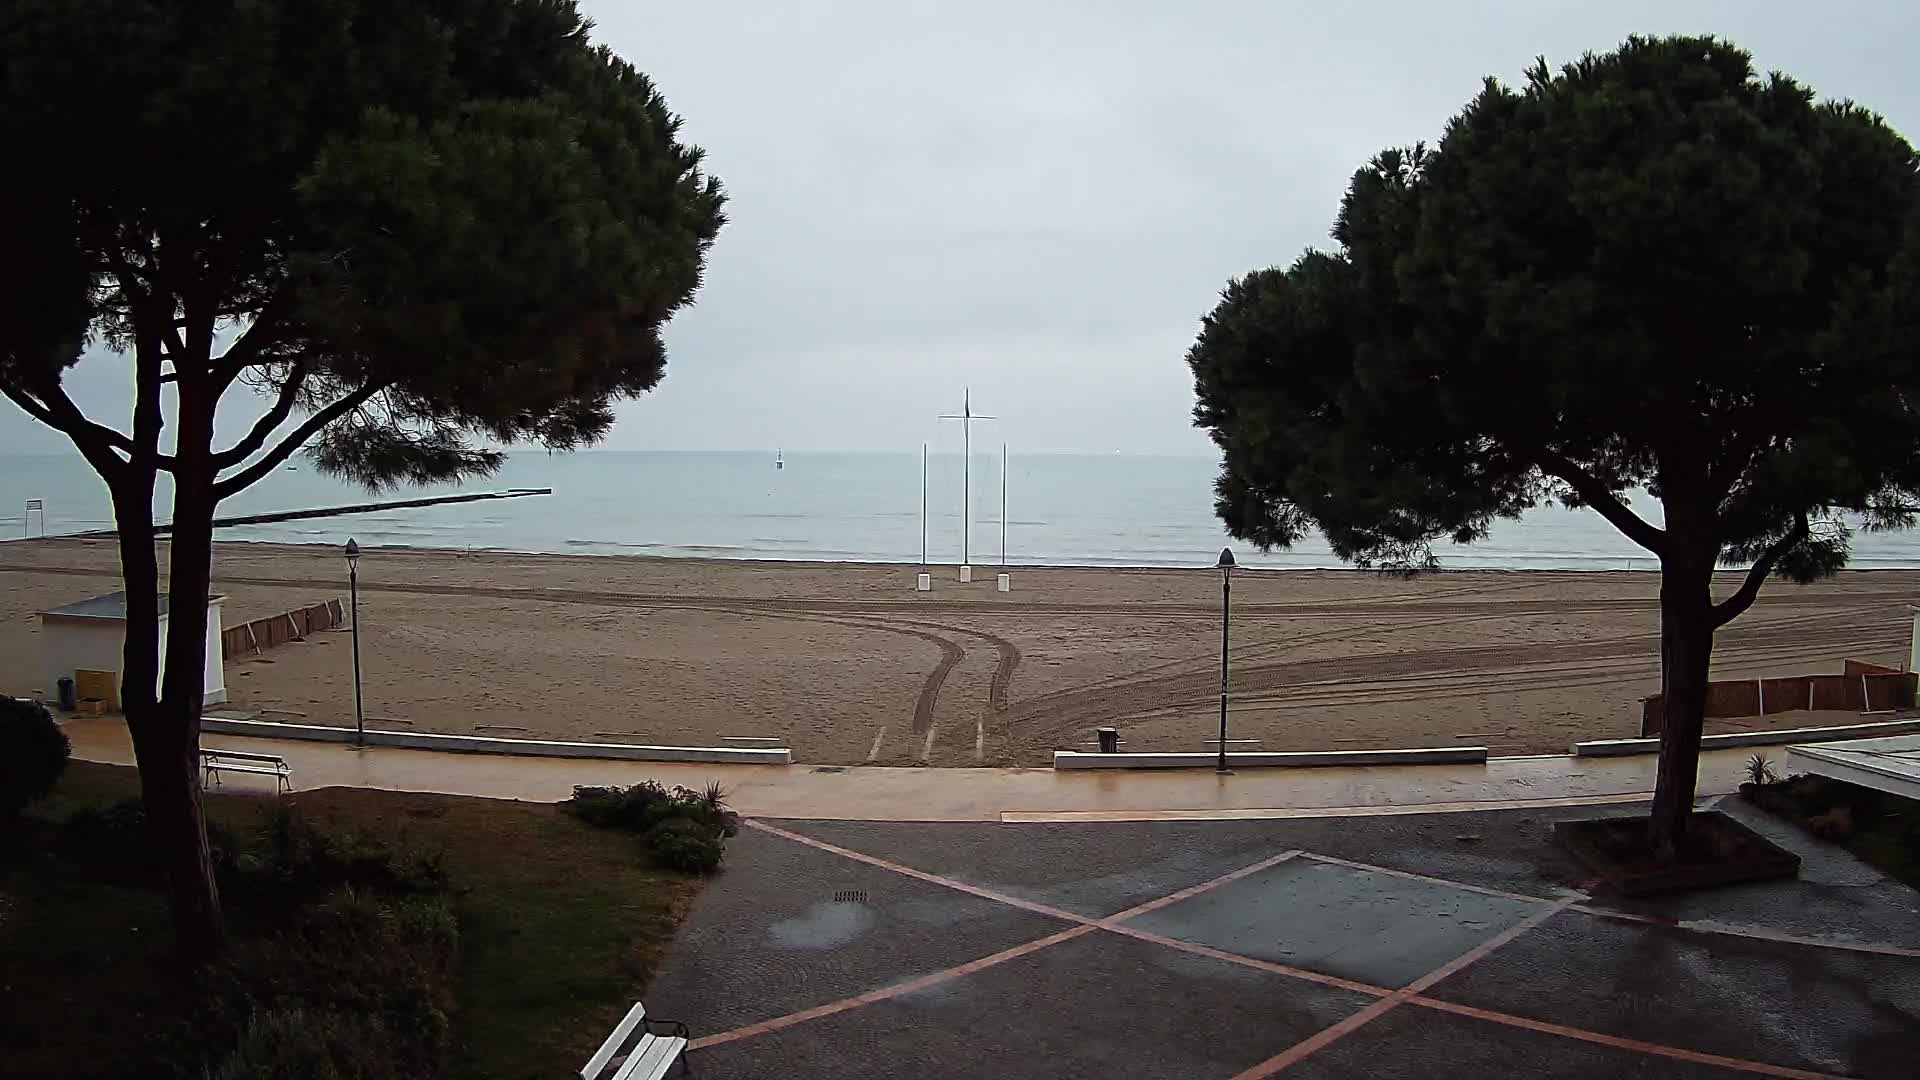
column 647, row 1057
column 215, row 762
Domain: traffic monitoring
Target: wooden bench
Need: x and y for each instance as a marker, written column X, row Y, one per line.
column 635, row 1052
column 215, row 762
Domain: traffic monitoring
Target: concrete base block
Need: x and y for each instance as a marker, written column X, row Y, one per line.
column 479, row 744
column 923, row 583
column 966, row 573
column 1004, row 583
column 1437, row 755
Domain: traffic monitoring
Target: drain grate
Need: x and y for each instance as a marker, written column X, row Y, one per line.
column 850, row 896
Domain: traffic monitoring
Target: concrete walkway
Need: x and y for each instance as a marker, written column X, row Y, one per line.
column 859, row 793
column 1420, row 947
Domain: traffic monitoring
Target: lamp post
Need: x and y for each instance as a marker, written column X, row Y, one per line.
column 1226, row 610
column 353, row 589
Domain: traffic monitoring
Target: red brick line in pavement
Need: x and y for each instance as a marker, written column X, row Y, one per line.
column 1326, row 1037
column 1655, row 1049
column 1754, row 933
column 884, row 993
column 1413, row 994
column 922, row 875
column 1085, row 926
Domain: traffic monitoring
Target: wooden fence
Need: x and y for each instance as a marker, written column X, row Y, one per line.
column 262, row 634
column 1864, row 687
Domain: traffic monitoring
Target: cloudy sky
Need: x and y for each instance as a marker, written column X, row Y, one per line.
column 1039, row 200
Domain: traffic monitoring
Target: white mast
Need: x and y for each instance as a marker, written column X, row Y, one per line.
column 1003, row 505
column 966, row 416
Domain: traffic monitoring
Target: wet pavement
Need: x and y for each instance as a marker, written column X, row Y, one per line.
column 1446, row 945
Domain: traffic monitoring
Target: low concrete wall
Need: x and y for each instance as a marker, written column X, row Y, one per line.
column 480, row 744
column 1440, row 755
column 1622, row 747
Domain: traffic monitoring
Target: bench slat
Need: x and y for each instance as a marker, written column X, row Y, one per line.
column 651, row 1059
column 241, row 755
column 263, row 770
column 598, row 1062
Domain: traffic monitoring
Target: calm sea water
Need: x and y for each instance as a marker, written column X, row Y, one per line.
column 1062, row 509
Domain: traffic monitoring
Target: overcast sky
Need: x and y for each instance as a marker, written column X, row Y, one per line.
column 1039, row 200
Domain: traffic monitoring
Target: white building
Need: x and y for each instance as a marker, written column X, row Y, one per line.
column 91, row 636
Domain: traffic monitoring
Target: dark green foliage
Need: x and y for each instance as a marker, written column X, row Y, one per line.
column 33, row 754
column 293, row 1044
column 638, row 808
column 113, row 840
column 681, row 828
column 461, row 217
column 361, row 966
column 1651, row 268
column 420, row 230
column 289, row 862
column 366, row 982
column 684, row 844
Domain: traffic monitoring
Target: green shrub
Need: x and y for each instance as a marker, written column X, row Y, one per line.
column 639, row 808
column 633, row 809
column 291, row 860
column 33, row 754
column 681, row 828
column 295, row 1044
column 112, row 839
column 377, row 972
column 681, row 843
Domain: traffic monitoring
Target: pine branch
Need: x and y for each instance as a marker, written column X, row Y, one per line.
column 292, row 443
column 1729, row 609
column 1595, row 494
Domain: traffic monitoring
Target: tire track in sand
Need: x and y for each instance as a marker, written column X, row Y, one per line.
column 951, row 652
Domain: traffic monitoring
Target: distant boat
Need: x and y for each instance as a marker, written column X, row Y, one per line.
column 779, row 462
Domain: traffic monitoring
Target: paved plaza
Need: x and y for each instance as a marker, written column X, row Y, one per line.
column 1437, row 945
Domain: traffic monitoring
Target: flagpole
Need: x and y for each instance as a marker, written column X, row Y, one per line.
column 966, row 416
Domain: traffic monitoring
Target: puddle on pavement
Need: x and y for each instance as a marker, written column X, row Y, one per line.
column 826, row 925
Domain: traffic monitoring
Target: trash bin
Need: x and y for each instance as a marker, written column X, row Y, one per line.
column 68, row 700
column 1109, row 740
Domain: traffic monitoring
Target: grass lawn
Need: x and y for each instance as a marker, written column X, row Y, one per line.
column 560, row 925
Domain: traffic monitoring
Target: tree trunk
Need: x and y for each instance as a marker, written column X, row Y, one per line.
column 169, row 757
column 1686, row 654
column 165, row 749
column 173, row 793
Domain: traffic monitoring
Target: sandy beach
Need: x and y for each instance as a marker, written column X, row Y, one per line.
column 848, row 664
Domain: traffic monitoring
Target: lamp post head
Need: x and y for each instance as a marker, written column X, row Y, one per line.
column 353, row 551
column 1226, row 560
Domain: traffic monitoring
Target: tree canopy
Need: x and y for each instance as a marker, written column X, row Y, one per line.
column 423, row 226
column 1651, row 268
column 422, row 229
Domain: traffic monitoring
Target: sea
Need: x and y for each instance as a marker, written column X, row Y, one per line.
column 1041, row 509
